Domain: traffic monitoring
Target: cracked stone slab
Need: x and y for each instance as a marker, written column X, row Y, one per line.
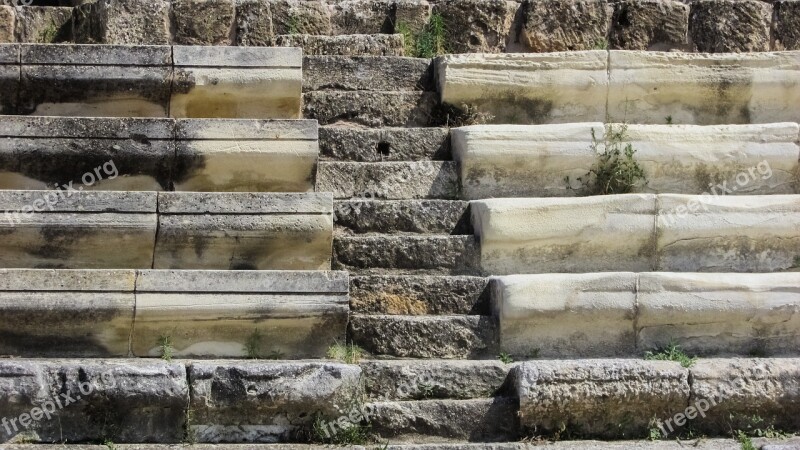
column 244, row 231
column 256, row 314
column 419, row 295
column 384, row 144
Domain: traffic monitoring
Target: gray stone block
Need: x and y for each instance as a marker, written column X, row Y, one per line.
column 8, row 24
column 300, row 17
column 786, row 25
column 361, row 16
column 124, row 22
column 371, row 108
column 389, row 180
column 559, row 25
column 718, row 26
column 384, row 144
column 346, row 45
column 476, row 26
column 419, row 295
column 203, row 22
column 253, row 26
column 369, row 73
column 44, row 24
column 9, row 76
column 402, row 216
column 652, row 25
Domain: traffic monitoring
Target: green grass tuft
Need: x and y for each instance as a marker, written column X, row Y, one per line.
column 671, row 353
column 347, row 353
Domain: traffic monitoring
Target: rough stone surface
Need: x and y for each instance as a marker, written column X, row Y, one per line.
column 745, row 27
column 414, row 14
column 402, row 216
column 300, row 17
column 203, row 22
column 654, row 25
column 481, row 26
column 44, row 25
column 371, row 108
column 444, row 255
column 267, row 401
column 384, row 144
column 419, row 295
column 124, row 22
column 389, row 180
column 253, row 26
column 558, row 25
column 786, row 25
column 113, row 400
column 346, row 45
column 740, row 390
column 599, row 398
column 371, row 73
column 8, row 24
column 479, row 420
column 361, row 16
column 9, row 77
column 423, row 380
column 446, row 337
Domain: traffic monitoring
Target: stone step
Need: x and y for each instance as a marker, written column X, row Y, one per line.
column 373, row 108
column 78, row 229
column 627, row 314
column 438, row 337
column 343, row 143
column 639, row 233
column 396, row 180
column 152, row 81
column 402, row 216
column 407, row 255
column 184, row 313
column 369, row 73
column 640, row 87
column 342, row 45
column 550, row 160
column 419, row 295
column 137, row 154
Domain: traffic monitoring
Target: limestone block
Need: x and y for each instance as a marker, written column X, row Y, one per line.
column 249, row 401
column 124, row 22
column 300, row 17
column 419, row 295
column 524, row 161
column 528, row 88
column 654, row 25
column 374, row 109
column 367, row 73
column 725, row 26
column 601, row 398
column 552, row 235
column 9, row 76
column 253, row 23
column 95, row 81
column 566, row 315
column 361, row 216
column 384, row 144
column 119, row 154
column 691, row 159
column 8, row 24
column 728, row 233
column 389, row 180
column 113, row 400
column 559, row 25
column 247, row 231
column 234, row 82
column 720, row 313
column 738, row 390
column 786, row 25
column 283, row 315
column 413, row 14
column 361, row 17
column 404, row 254
column 246, row 155
column 476, row 26
column 704, row 89
column 77, row 229
column 347, row 45
column 44, row 24
column 203, row 22
column 66, row 313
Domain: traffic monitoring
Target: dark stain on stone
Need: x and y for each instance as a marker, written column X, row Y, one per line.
column 183, row 81
column 187, row 163
column 20, row 343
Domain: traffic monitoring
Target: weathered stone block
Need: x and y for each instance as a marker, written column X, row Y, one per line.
column 119, row 400
column 246, row 155
column 728, row 233
column 367, row 73
column 786, row 25
column 300, row 17
column 267, row 401
column 719, row 313
column 253, row 23
column 8, row 24
column 724, row 26
column 704, row 89
column 44, row 152
column 654, row 25
column 389, row 180
column 361, row 16
column 203, row 22
column 413, row 14
column 370, row 108
column 528, row 89
column 445, row 255
column 65, row 313
column 552, row 235
column 75, row 229
column 284, row 315
column 524, row 161
column 124, row 22
column 347, row 45
column 96, row 81
column 246, row 231
column 566, row 315
column 402, row 216
column 419, row 295
column 235, row 82
column 44, row 24
column 384, row 144
column 438, row 337
column 9, row 77
column 476, row 26
column 599, row 398
column 565, row 25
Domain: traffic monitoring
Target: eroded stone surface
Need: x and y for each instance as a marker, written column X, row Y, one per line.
column 7, row 24
column 419, row 295
column 746, row 26
column 203, row 22
column 361, row 16
column 370, row 73
column 557, row 25
column 476, row 25
column 389, row 180
column 43, row 24
column 125, row 22
column 370, row 108
column 348, row 45
column 402, row 216
column 653, row 25
column 786, row 25
column 384, row 144
column 445, row 255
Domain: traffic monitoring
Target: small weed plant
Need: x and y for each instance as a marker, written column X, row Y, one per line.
column 426, row 43
column 616, row 170
column 505, row 358
column 672, row 352
column 165, row 344
column 347, row 353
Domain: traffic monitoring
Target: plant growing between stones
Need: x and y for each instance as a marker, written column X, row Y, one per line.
column 668, row 119
column 48, row 34
column 671, row 352
column 354, row 434
column 745, row 441
column 347, row 353
column 616, row 170
column 505, row 358
column 188, row 436
column 108, row 443
column 446, row 115
column 253, row 345
column 426, row 43
column 165, row 345
column 600, row 44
